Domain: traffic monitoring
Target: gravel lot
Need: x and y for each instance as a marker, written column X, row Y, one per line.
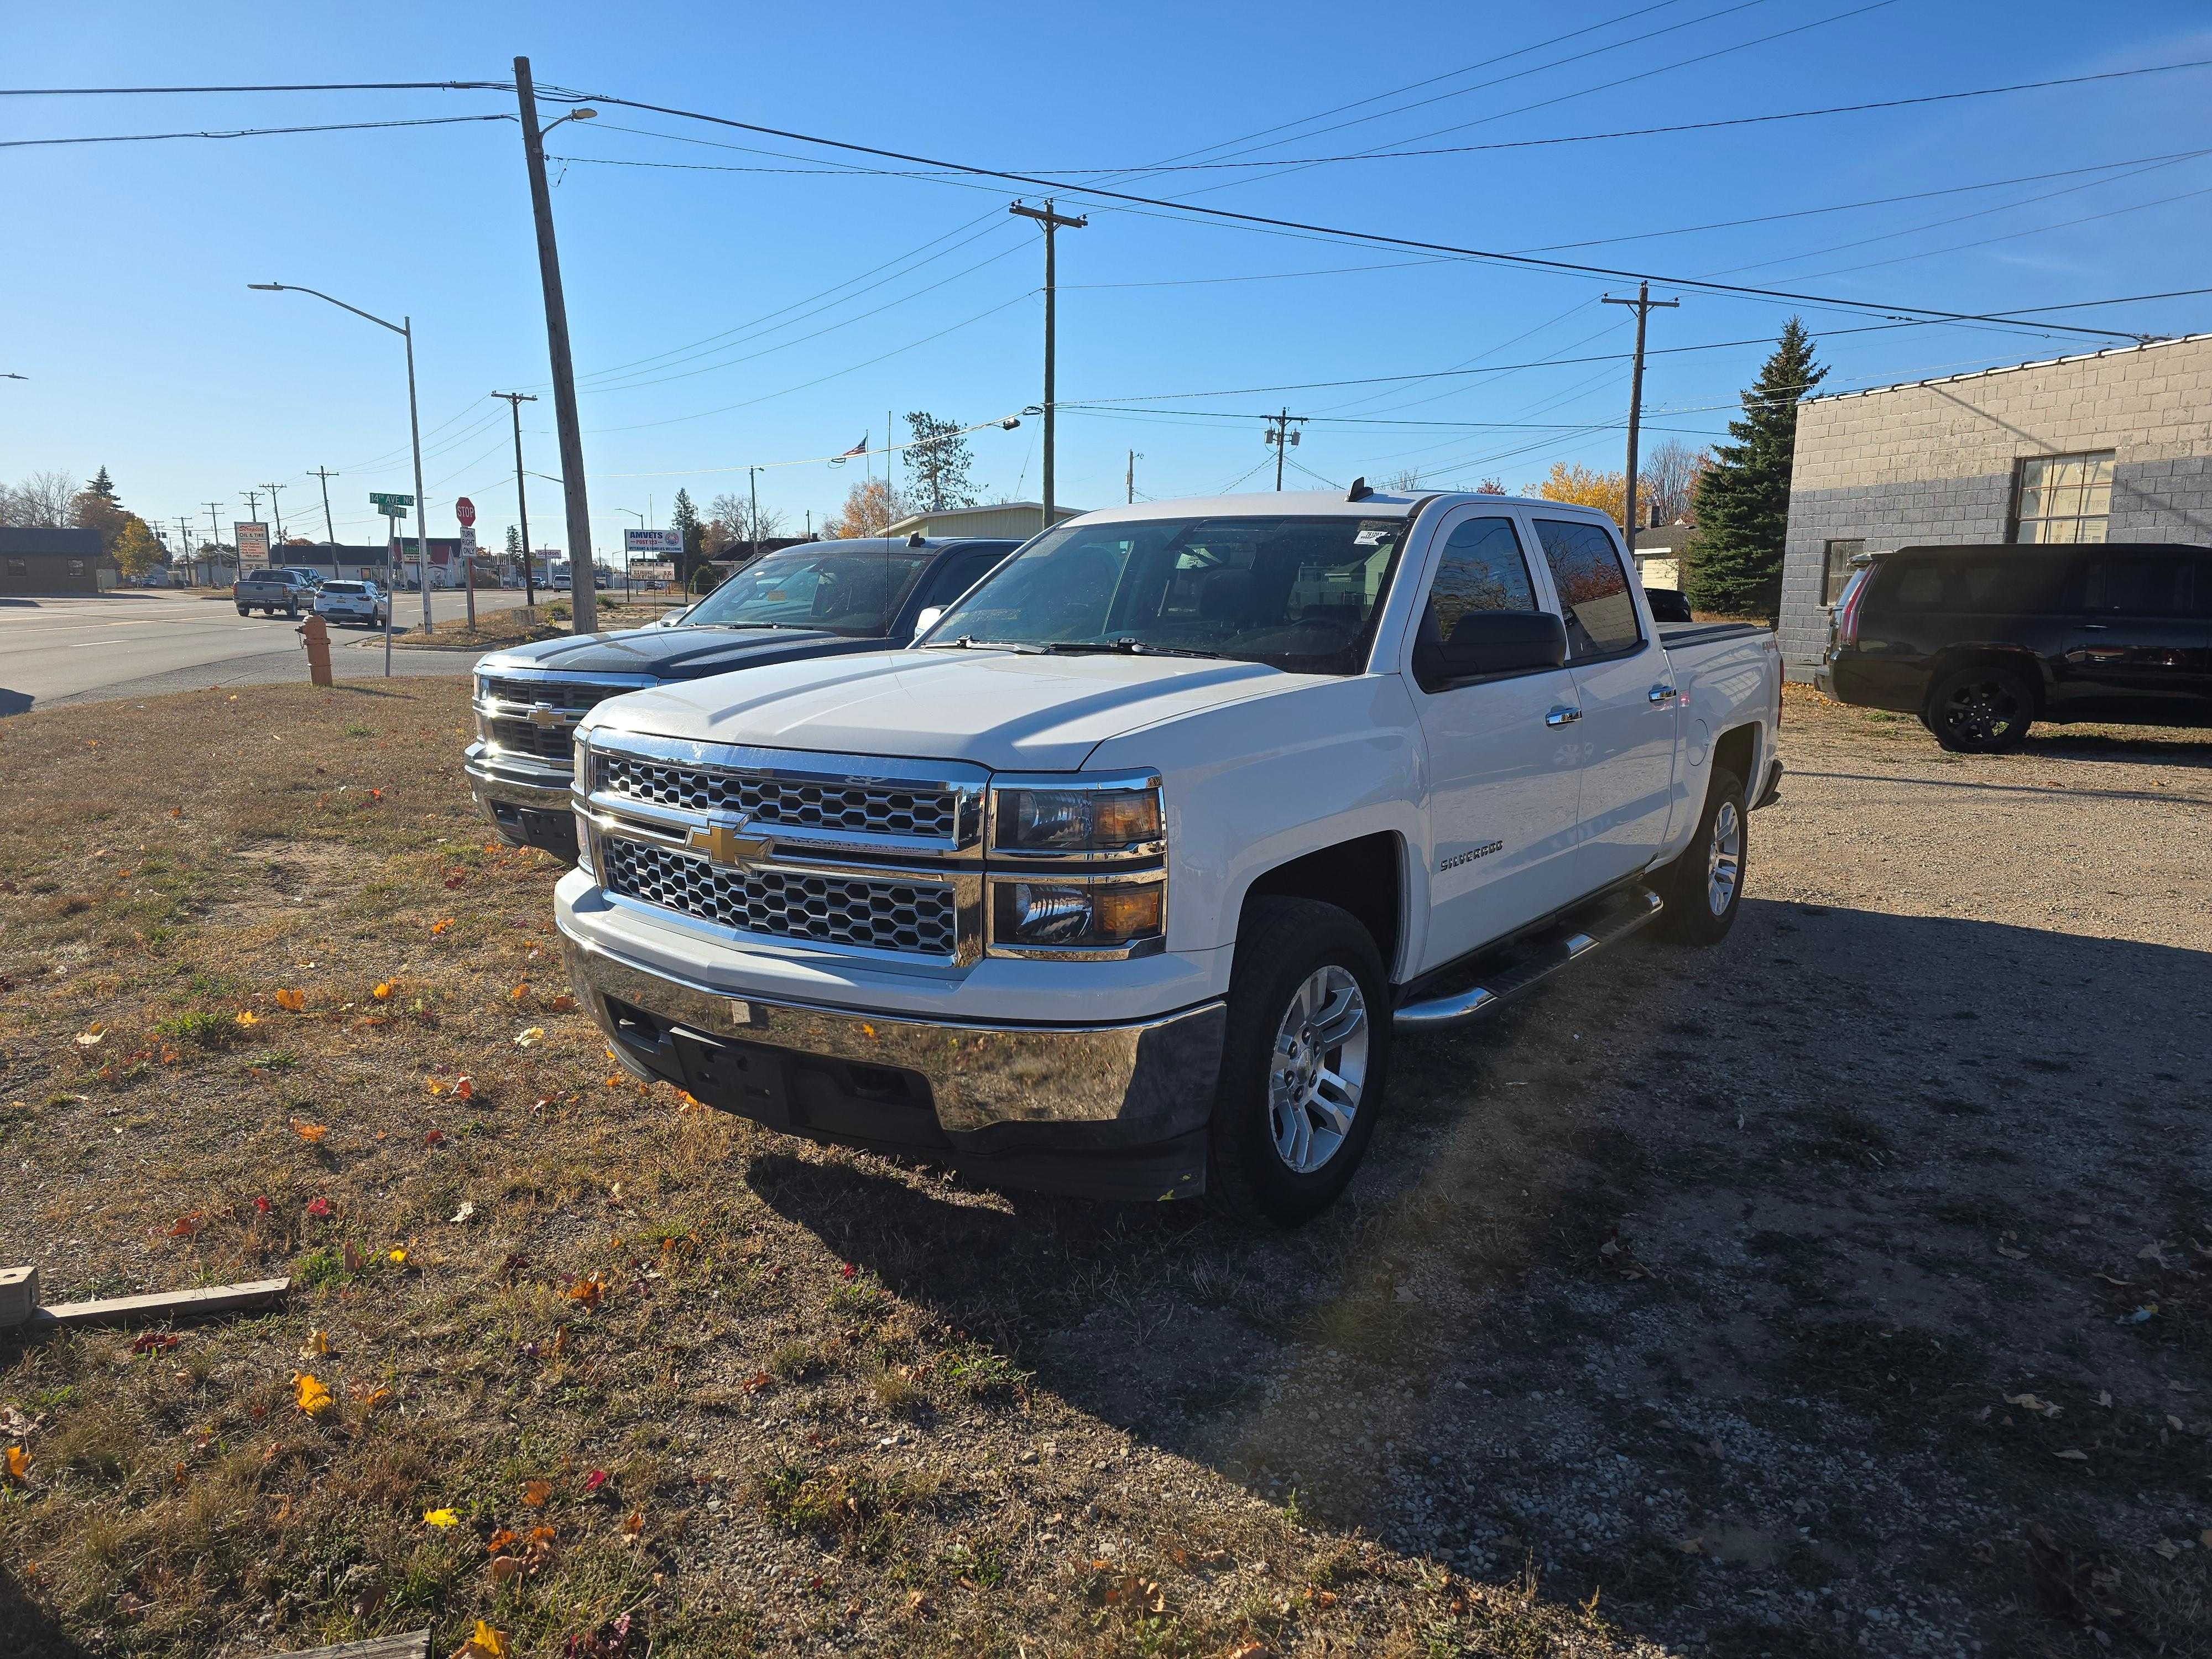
column 1839, row 1290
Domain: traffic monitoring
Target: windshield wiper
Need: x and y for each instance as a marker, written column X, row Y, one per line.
column 1125, row 647
column 968, row 641
column 794, row 627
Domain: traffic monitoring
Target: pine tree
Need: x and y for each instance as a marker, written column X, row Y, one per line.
column 684, row 518
column 1742, row 500
column 103, row 487
column 936, row 464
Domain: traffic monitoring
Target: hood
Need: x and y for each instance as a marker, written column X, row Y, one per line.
column 1000, row 709
column 672, row 653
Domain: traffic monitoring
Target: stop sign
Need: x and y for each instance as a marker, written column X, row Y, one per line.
column 465, row 511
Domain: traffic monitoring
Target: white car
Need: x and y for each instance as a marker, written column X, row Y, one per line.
column 1125, row 877
column 362, row 602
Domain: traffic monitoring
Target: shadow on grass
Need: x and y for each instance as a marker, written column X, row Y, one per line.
column 26, row 1632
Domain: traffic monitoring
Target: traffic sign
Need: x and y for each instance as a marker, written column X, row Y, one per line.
column 465, row 511
column 376, row 499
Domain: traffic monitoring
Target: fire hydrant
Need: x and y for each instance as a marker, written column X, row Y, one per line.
column 315, row 634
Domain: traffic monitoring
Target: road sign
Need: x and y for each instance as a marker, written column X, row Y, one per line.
column 653, row 543
column 376, row 499
column 252, row 541
column 468, row 541
column 650, row 570
column 465, row 511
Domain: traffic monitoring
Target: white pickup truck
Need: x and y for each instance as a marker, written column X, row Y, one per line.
column 1123, row 878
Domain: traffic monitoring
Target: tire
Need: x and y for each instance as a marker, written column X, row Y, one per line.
column 244, row 611
column 1983, row 709
column 1704, row 888
column 1280, row 1146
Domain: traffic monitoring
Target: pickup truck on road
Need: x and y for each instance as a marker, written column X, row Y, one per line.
column 271, row 590
column 1124, row 877
column 818, row 599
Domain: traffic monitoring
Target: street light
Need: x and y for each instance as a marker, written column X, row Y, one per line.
column 405, row 329
column 15, row 377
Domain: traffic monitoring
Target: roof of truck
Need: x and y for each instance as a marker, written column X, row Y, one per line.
column 1316, row 503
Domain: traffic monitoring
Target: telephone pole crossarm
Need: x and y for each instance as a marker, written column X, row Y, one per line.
column 1643, row 305
column 1051, row 221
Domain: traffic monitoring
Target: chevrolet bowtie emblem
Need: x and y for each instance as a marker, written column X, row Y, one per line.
column 545, row 715
column 726, row 843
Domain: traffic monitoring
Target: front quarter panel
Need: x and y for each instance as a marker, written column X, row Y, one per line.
column 1254, row 784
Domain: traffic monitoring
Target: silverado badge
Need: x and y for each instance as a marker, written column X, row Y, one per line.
column 723, row 842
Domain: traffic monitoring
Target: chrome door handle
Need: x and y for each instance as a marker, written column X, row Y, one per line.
column 1661, row 694
column 1563, row 715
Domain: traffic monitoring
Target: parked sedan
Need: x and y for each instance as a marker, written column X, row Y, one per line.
column 364, row 602
column 818, row 599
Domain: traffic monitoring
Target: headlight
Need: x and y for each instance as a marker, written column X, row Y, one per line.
column 1077, row 916
column 1077, row 820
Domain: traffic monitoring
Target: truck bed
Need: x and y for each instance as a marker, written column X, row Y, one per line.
column 1698, row 633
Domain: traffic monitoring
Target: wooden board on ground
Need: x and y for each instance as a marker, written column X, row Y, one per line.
column 414, row 1644
column 166, row 1304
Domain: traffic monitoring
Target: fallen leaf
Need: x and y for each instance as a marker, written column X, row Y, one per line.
column 502, row 1568
column 594, row 1480
column 261, row 1204
column 531, row 1038
column 587, row 1291
column 397, row 1257
column 440, row 926
column 519, row 991
column 563, row 1003
column 312, row 1134
column 484, row 1644
column 318, row 1343
column 314, row 1398
column 498, row 1542
column 91, row 1037
column 465, row 1088
column 535, row 1493
column 383, row 992
column 154, row 1342
column 19, row 1463
column 439, row 1518
column 185, row 1225
column 468, row 1208
column 294, row 1001
column 247, row 1017
column 2028, row 1402
column 634, row 1522
column 374, row 1398
column 455, row 881
column 319, row 1207
column 435, row 1086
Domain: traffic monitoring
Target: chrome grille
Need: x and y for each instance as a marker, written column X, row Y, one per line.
column 877, row 913
column 558, row 694
column 552, row 743
column 794, row 803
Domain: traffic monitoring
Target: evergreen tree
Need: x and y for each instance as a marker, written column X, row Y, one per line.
column 104, row 488
column 1741, row 502
column 685, row 517
column 937, row 464
column 513, row 543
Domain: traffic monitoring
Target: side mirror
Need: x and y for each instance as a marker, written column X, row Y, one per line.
column 927, row 619
column 1502, row 643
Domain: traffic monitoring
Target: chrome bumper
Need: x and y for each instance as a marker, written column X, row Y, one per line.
column 509, row 781
column 1120, row 1086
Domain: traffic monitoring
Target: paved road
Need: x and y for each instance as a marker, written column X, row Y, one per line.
column 86, row 647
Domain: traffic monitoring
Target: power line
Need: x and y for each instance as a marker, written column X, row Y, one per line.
column 246, row 132
column 326, row 86
column 1267, row 220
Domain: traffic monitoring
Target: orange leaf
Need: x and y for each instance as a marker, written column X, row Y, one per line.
column 314, row 1399
column 465, row 1088
column 382, row 992
column 374, row 1398
column 312, row 1134
column 433, row 1085
column 498, row 1541
column 519, row 992
column 186, row 1226
column 587, row 1291
column 535, row 1493
column 440, row 927
column 19, row 1463
column 563, row 1003
column 294, row 1001
column 634, row 1523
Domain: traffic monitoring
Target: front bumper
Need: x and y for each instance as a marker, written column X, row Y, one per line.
column 528, row 803
column 1110, row 1111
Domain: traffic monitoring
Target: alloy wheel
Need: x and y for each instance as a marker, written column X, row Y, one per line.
column 1318, row 1069
column 1724, row 858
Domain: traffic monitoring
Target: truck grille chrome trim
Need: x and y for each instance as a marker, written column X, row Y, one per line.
column 785, row 802
column 910, row 916
column 522, row 737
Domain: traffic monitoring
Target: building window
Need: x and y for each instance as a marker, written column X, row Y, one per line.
column 2063, row 498
column 1836, row 568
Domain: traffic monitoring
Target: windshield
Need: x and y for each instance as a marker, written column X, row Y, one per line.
column 852, row 591
column 1298, row 593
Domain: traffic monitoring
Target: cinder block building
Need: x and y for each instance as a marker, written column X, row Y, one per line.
column 2109, row 446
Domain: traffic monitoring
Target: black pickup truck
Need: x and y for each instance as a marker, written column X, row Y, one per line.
column 1982, row 642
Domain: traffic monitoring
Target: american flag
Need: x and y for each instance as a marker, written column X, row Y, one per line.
column 859, row 448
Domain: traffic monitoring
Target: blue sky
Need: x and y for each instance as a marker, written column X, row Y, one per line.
column 124, row 298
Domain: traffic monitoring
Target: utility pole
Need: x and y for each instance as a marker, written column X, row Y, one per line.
column 1644, row 305
column 185, row 541
column 1130, row 481
column 1051, row 221
column 253, row 505
column 329, row 528
column 514, row 402
column 583, row 596
column 214, row 524
column 1280, row 435
column 276, row 511
column 752, row 489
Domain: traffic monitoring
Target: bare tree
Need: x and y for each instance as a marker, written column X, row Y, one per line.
column 1669, row 474
column 1404, row 482
column 738, row 522
column 42, row 499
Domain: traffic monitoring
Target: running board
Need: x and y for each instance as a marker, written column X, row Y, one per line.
column 1544, row 956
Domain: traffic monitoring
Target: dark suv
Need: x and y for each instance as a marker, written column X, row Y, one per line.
column 1981, row 641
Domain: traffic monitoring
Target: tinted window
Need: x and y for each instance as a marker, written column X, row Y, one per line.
column 2141, row 586
column 844, row 590
column 1995, row 584
column 960, row 572
column 1668, row 606
column 1593, row 588
column 1481, row 569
